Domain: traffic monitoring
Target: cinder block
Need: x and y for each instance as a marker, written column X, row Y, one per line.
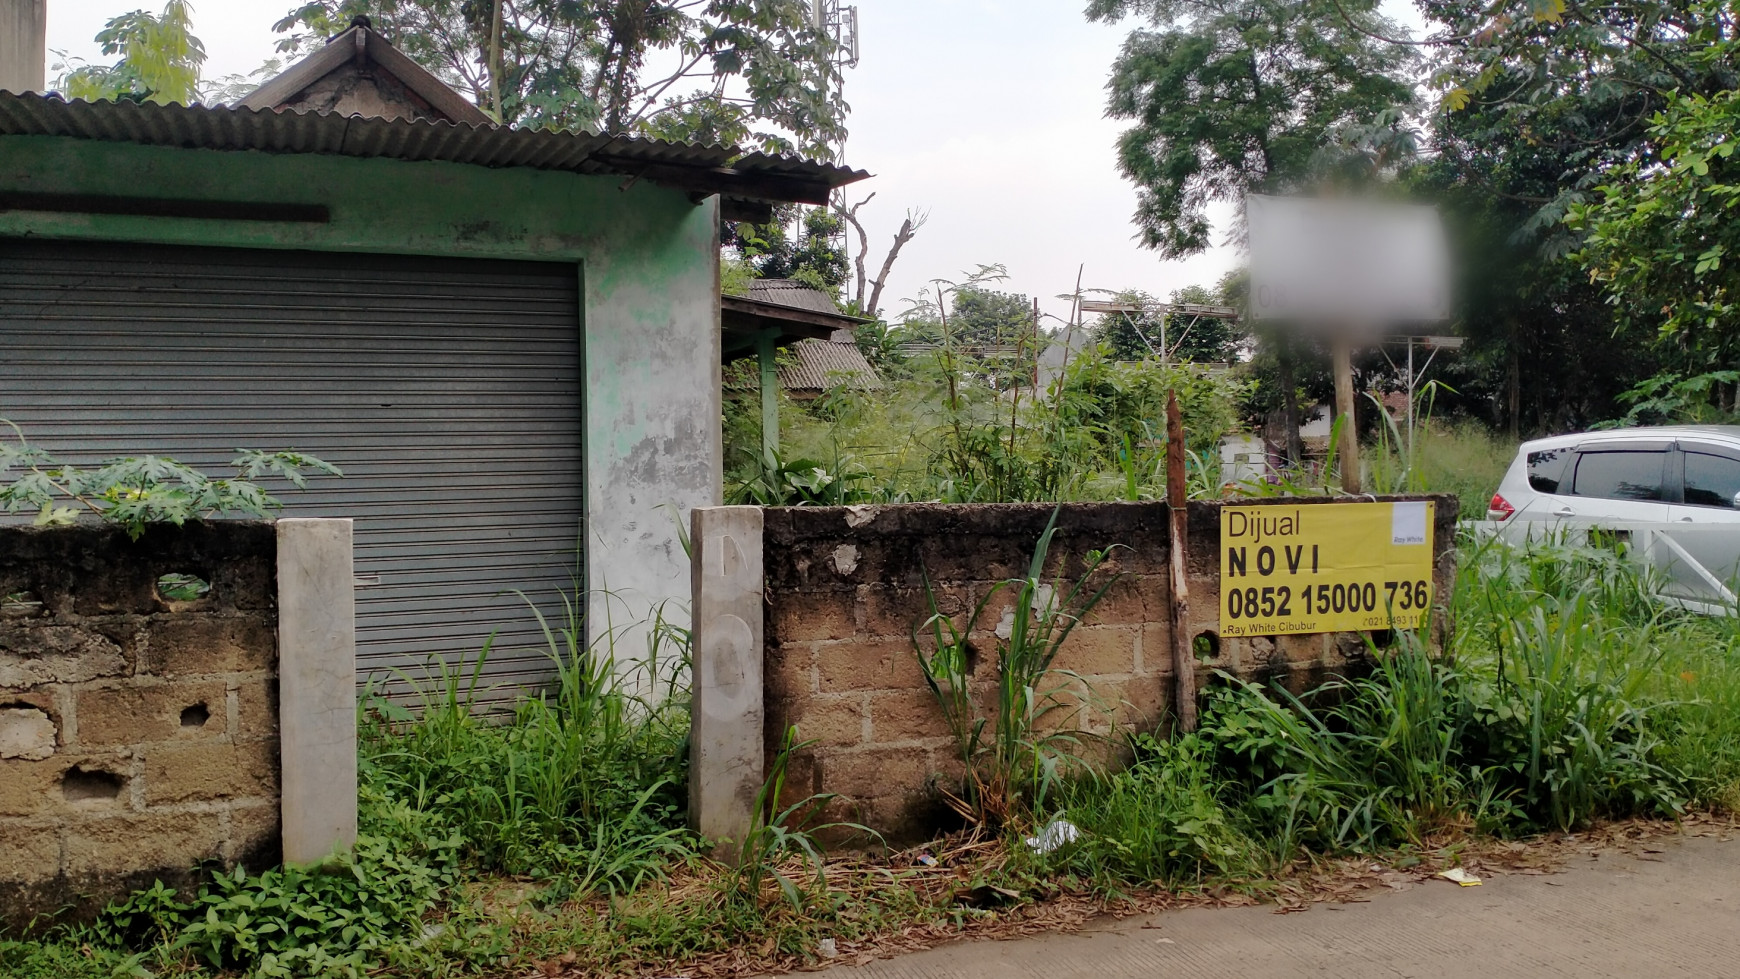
column 906, row 715
column 144, row 711
column 254, row 835
column 194, row 643
column 878, row 664
column 29, row 853
column 807, row 616
column 1097, row 650
column 257, row 710
column 895, row 611
column 26, row 733
column 1156, row 648
column 30, row 787
column 830, row 720
column 1124, row 603
column 132, row 842
column 32, row 654
column 867, row 773
column 209, row 770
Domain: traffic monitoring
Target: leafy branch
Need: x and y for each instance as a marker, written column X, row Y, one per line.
column 140, row 490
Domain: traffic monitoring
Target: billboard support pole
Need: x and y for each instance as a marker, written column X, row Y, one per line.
column 1348, row 450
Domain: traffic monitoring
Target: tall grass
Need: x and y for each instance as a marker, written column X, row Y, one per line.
column 1568, row 695
column 583, row 785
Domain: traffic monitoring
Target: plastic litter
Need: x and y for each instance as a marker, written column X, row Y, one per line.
column 927, row 860
column 1055, row 834
column 1462, row 877
column 827, row 949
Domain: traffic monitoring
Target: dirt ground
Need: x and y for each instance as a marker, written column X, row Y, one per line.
column 1654, row 907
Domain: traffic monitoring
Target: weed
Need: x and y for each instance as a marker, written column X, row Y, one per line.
column 1011, row 771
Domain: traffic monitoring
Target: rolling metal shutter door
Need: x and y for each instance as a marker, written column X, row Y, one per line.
column 448, row 391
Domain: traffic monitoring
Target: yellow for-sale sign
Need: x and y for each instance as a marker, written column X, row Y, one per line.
column 1330, row 567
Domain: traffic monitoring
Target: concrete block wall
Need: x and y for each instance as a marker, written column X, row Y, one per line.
column 844, row 588
column 138, row 731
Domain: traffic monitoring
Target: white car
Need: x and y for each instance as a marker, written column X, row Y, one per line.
column 1671, row 473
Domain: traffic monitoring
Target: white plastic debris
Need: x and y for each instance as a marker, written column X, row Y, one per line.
column 1055, row 834
column 827, row 949
column 1460, row 876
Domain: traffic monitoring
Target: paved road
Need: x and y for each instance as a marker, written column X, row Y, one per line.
column 1676, row 913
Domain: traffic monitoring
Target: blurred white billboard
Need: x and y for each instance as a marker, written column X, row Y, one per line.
column 1347, row 264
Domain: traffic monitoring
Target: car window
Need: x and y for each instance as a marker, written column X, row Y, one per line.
column 1712, row 480
column 1619, row 475
column 1547, row 469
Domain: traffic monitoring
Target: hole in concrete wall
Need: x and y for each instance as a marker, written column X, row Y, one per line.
column 90, row 785
column 1206, row 646
column 180, row 586
column 195, row 716
column 20, row 605
column 1382, row 638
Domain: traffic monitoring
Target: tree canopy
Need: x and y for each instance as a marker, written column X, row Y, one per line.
column 734, row 71
column 1229, row 97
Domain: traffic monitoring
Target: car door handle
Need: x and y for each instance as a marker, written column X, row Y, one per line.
column 1564, row 511
column 1685, row 520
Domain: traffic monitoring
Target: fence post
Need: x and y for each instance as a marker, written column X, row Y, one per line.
column 317, row 687
column 726, row 751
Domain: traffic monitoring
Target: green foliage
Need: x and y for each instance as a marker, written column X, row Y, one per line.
column 336, row 920
column 137, row 492
column 1168, row 819
column 1230, row 97
column 801, row 243
column 741, row 70
column 160, row 59
column 582, row 788
column 1661, row 236
column 1138, row 335
column 1011, row 771
column 778, row 832
column 774, row 481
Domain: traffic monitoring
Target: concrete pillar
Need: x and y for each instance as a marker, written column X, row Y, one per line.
column 24, row 45
column 725, row 717
column 317, row 687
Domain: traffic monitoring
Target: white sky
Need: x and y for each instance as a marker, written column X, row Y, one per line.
column 986, row 113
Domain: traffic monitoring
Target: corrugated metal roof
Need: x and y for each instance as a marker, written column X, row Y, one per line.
column 790, row 292
column 817, row 365
column 710, row 168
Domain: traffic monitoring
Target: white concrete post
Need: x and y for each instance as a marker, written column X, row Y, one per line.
column 317, row 687
column 725, row 715
column 23, row 45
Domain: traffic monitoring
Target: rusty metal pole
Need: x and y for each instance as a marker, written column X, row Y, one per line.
column 1177, row 499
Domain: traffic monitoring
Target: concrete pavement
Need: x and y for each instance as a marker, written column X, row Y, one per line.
column 1668, row 914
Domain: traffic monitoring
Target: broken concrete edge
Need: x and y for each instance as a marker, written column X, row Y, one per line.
column 317, row 687
column 726, row 760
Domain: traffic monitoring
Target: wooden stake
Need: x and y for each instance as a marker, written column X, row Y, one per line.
column 1349, row 448
column 1177, row 499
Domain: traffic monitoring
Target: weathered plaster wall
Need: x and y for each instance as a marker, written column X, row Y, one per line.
column 138, row 734
column 646, row 255
column 845, row 587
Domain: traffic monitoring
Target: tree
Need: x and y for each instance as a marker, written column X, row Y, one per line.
column 160, row 59
column 799, row 243
column 1663, row 239
column 1136, row 334
column 1231, row 97
column 741, row 70
column 871, row 304
column 986, row 317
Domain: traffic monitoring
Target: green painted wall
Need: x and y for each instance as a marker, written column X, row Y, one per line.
column 647, row 257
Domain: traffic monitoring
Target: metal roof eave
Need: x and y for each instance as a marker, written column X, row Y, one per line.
column 707, row 170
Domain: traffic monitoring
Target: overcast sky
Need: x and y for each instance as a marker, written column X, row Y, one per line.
column 988, row 114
